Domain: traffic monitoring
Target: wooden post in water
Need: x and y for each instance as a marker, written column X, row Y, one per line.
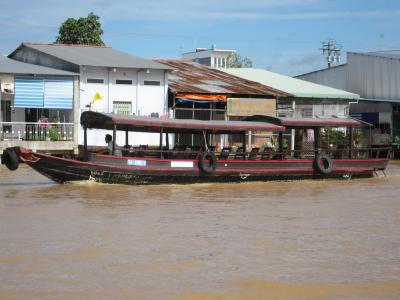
column 350, row 142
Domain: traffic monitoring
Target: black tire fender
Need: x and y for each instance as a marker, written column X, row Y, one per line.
column 323, row 163
column 205, row 167
column 10, row 159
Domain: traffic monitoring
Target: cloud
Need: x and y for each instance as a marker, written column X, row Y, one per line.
column 290, row 62
column 31, row 13
column 178, row 23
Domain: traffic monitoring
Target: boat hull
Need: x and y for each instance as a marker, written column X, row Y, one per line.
column 127, row 170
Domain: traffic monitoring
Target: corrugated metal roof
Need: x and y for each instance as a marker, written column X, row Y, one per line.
column 297, row 87
column 394, row 54
column 322, row 70
column 11, row 66
column 191, row 77
column 97, row 56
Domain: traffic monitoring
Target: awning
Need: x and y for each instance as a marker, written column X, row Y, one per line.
column 96, row 120
column 200, row 97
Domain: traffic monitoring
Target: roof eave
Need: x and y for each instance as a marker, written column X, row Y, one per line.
column 327, row 96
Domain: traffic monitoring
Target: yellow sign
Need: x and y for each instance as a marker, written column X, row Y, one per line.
column 244, row 107
column 97, row 97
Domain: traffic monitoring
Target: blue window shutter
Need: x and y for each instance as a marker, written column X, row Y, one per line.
column 29, row 92
column 58, row 92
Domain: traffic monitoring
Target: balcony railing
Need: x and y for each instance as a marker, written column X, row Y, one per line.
column 27, row 131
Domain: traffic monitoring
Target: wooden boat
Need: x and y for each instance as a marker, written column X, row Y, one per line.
column 164, row 165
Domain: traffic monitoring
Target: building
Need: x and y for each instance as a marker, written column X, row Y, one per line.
column 375, row 76
column 306, row 100
column 109, row 81
column 30, row 93
column 198, row 92
column 214, row 58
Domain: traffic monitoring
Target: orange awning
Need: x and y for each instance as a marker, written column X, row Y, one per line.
column 202, row 97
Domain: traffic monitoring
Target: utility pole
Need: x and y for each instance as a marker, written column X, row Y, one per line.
column 331, row 51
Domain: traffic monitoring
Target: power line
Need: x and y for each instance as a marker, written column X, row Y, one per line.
column 331, row 50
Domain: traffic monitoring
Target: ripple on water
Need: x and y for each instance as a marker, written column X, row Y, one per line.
column 326, row 239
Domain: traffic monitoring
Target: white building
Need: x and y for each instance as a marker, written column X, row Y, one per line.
column 30, row 91
column 215, row 58
column 110, row 81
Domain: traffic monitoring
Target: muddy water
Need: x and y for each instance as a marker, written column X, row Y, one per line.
column 335, row 239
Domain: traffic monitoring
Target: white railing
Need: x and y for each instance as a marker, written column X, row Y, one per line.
column 36, row 131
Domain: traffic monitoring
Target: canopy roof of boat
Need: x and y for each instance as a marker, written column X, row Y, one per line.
column 97, row 120
column 308, row 122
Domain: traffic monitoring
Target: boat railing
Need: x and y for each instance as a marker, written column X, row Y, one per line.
column 36, row 131
column 228, row 153
column 355, row 153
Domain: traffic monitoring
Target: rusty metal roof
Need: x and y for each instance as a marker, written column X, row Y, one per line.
column 191, row 77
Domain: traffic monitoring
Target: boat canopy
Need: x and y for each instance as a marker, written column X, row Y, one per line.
column 91, row 119
column 308, row 122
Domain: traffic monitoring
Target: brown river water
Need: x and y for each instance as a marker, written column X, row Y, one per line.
column 327, row 239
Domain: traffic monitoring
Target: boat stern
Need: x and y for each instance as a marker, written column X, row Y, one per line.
column 13, row 156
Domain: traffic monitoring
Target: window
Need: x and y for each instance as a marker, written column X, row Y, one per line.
column 307, row 112
column 44, row 92
column 122, row 107
column 151, row 82
column 123, row 81
column 94, row 80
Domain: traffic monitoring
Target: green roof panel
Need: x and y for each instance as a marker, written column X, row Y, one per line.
column 297, row 87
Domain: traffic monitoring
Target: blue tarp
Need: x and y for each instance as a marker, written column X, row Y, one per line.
column 182, row 100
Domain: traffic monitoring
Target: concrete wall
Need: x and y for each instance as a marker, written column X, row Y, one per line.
column 44, row 146
column 209, row 57
column 144, row 99
column 7, row 78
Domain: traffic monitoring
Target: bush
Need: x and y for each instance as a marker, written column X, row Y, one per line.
column 54, row 134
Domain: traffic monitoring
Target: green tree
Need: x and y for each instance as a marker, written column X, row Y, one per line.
column 236, row 61
column 82, row 31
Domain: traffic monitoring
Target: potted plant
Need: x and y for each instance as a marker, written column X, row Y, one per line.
column 54, row 135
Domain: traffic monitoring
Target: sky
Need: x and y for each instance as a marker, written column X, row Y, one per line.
column 283, row 36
